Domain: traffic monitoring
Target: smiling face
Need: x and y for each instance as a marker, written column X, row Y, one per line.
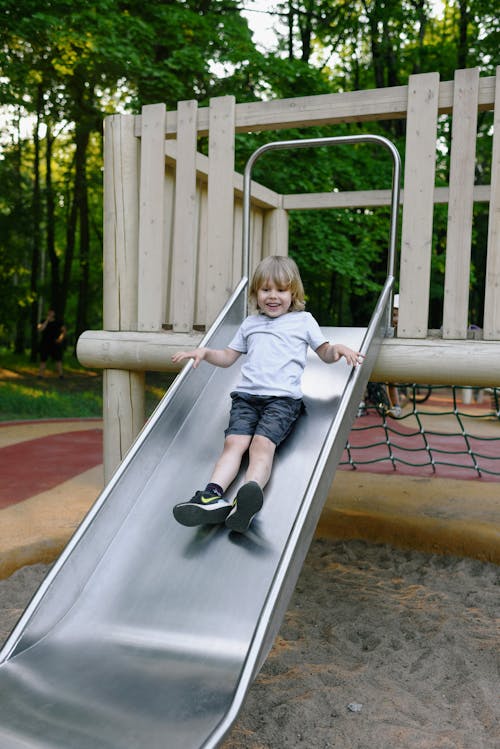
column 273, row 300
column 276, row 286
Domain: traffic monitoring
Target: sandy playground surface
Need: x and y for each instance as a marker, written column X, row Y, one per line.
column 380, row 649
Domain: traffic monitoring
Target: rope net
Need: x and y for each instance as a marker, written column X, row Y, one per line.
column 422, row 430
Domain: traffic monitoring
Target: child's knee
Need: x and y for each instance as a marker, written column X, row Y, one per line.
column 263, row 445
column 237, row 443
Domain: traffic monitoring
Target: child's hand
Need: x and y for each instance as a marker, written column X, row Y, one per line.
column 197, row 354
column 353, row 358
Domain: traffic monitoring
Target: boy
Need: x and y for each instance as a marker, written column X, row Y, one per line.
column 268, row 399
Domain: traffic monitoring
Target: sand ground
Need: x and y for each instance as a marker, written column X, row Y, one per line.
column 381, row 648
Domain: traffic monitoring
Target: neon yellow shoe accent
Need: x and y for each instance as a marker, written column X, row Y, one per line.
column 207, row 500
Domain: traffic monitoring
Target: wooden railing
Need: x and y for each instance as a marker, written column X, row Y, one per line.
column 172, row 230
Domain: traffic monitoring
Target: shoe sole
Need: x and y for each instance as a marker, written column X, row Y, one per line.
column 249, row 501
column 191, row 515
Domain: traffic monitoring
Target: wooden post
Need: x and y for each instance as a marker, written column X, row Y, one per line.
column 153, row 262
column 492, row 292
column 220, row 204
column 275, row 239
column 416, row 238
column 459, row 236
column 121, row 223
column 201, row 281
column 123, row 392
column 123, row 415
column 185, row 221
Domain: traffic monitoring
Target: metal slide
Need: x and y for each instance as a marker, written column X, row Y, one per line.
column 147, row 634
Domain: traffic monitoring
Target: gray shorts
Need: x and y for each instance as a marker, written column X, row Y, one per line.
column 268, row 415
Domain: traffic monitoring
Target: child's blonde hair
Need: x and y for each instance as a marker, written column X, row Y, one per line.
column 283, row 272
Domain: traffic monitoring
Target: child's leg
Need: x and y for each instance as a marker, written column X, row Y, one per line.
column 249, row 499
column 274, row 425
column 208, row 506
column 261, row 455
column 228, row 465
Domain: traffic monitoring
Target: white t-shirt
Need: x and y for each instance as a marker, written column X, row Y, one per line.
column 276, row 350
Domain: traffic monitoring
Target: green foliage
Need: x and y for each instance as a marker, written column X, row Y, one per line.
column 68, row 63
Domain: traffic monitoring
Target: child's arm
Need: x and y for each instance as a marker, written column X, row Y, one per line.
column 332, row 352
column 217, row 357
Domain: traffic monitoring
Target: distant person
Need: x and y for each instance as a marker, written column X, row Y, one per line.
column 268, row 398
column 51, row 342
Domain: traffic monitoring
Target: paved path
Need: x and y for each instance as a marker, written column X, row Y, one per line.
column 53, row 474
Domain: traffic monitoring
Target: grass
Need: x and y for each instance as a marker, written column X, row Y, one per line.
column 23, row 396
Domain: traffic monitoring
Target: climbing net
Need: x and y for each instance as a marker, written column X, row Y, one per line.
column 443, row 429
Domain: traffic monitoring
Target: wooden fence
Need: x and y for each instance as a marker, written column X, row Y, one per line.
column 172, row 233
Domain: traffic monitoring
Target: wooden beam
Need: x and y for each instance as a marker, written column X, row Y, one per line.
column 430, row 360
column 438, row 362
column 459, row 236
column 416, row 234
column 329, row 109
column 262, row 197
column 220, row 205
column 367, row 198
column 185, row 235
column 123, row 401
column 153, row 260
column 121, row 223
column 492, row 291
column 123, row 415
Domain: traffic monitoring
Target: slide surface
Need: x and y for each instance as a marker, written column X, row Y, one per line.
column 147, row 634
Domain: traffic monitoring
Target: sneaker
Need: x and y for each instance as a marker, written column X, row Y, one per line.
column 395, row 412
column 204, row 507
column 248, row 502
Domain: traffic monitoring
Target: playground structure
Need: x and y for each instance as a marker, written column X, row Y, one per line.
column 166, row 660
column 173, row 234
column 144, row 633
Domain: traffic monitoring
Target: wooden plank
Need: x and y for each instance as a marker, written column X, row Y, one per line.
column 202, row 259
column 184, row 248
column 256, row 249
column 416, row 235
column 220, row 205
column 492, row 292
column 485, row 100
column 459, row 234
column 261, row 196
column 350, row 106
column 121, row 223
column 152, row 260
column 237, row 260
column 275, row 234
column 367, row 198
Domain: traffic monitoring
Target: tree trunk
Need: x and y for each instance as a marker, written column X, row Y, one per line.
column 462, row 46
column 305, row 27
column 37, row 216
column 81, row 193
column 22, row 314
column 55, row 283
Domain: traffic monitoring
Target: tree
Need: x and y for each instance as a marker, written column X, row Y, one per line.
column 67, row 64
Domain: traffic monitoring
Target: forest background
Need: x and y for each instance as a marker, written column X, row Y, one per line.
column 66, row 64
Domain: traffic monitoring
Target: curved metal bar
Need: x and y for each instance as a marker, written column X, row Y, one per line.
column 314, row 143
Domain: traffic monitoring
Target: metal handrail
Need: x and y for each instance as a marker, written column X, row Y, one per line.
column 313, row 143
